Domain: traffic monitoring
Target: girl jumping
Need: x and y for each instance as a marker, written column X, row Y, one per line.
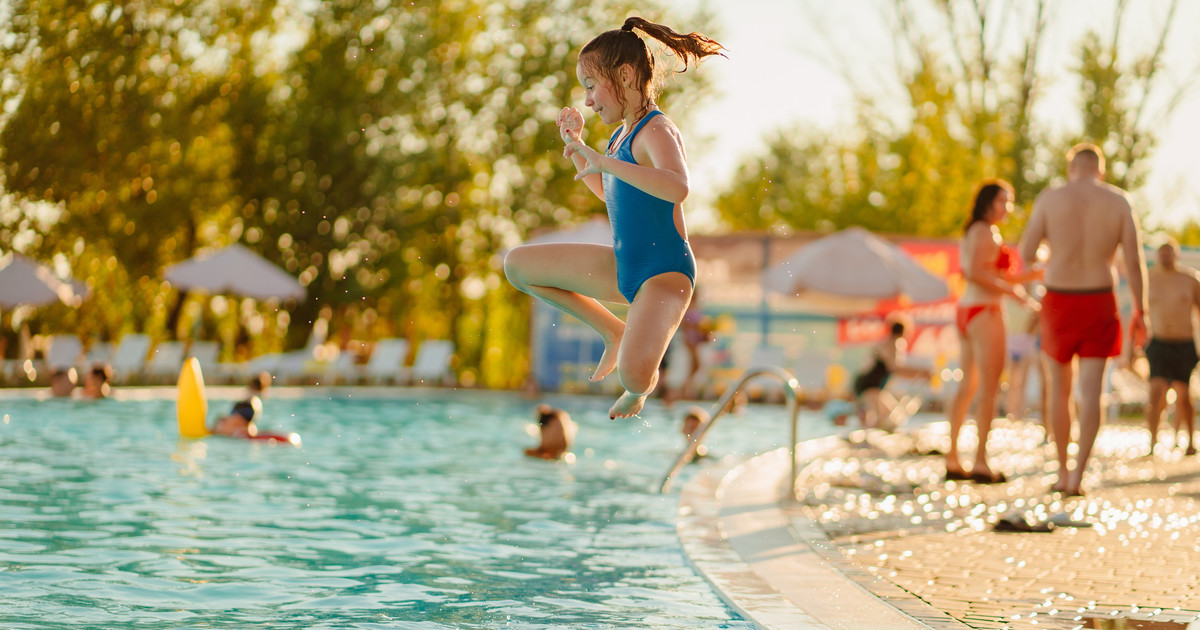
column 643, row 179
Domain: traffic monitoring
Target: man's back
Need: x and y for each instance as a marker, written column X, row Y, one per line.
column 1084, row 222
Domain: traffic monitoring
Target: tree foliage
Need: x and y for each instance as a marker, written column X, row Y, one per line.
column 966, row 108
column 385, row 154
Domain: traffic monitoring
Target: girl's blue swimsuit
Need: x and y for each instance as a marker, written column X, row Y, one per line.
column 644, row 236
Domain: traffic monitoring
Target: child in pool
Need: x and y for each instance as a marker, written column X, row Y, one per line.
column 240, row 421
column 643, row 178
column 557, row 432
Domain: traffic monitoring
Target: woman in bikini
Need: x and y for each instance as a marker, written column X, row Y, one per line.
column 989, row 268
column 643, row 179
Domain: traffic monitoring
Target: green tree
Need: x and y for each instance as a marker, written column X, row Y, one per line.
column 966, row 114
column 386, row 155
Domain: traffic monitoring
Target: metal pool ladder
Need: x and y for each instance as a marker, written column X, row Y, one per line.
column 789, row 390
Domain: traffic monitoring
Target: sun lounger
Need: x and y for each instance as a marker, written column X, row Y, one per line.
column 432, row 365
column 129, row 359
column 165, row 361
column 64, row 352
column 386, row 364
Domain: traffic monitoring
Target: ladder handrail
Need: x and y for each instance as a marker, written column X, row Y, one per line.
column 789, row 390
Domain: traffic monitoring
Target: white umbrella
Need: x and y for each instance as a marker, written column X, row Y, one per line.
column 237, row 270
column 852, row 270
column 26, row 282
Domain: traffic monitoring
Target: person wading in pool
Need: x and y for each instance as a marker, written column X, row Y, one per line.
column 643, row 179
column 240, row 421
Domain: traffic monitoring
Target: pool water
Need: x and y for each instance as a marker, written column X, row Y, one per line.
column 414, row 510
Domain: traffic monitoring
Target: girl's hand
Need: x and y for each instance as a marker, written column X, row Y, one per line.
column 593, row 157
column 570, row 124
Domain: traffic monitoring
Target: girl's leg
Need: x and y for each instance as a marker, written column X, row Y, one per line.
column 572, row 277
column 962, row 400
column 653, row 317
column 988, row 346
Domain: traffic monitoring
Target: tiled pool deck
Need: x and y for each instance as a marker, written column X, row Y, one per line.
column 876, row 538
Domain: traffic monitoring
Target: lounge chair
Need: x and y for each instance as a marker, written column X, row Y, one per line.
column 386, row 364
column 165, row 361
column 64, row 352
column 98, row 352
column 432, row 365
column 129, row 359
column 206, row 353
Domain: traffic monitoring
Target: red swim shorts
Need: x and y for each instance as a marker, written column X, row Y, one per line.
column 1084, row 324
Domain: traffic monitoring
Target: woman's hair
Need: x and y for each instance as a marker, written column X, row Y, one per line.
column 608, row 51
column 988, row 191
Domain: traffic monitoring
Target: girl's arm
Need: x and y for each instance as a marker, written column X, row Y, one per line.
column 981, row 268
column 570, row 129
column 660, row 144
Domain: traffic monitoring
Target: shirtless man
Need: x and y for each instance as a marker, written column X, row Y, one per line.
column 1174, row 293
column 1084, row 222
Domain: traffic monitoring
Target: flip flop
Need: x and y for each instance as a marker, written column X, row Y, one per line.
column 1062, row 519
column 987, row 479
column 1017, row 523
column 957, row 475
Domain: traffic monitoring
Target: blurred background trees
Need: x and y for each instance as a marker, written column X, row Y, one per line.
column 384, row 154
column 969, row 81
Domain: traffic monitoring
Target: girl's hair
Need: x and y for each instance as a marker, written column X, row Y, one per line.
column 608, row 51
column 988, row 191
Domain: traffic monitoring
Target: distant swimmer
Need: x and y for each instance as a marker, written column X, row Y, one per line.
column 240, row 420
column 1085, row 222
column 556, row 431
column 1174, row 295
column 643, row 179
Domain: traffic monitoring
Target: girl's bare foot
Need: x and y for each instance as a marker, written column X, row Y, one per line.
column 629, row 404
column 608, row 360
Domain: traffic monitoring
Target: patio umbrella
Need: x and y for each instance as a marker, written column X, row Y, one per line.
column 24, row 281
column 236, row 270
column 852, row 270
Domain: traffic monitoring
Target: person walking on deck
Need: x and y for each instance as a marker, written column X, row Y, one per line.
column 1085, row 222
column 990, row 269
column 1174, row 294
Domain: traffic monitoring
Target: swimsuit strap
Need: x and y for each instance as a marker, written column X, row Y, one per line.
column 629, row 139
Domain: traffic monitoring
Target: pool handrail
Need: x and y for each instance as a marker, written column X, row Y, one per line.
column 793, row 403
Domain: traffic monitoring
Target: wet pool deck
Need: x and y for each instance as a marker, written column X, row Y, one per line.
column 876, row 538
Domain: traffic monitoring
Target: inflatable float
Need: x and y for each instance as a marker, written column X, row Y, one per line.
column 192, row 408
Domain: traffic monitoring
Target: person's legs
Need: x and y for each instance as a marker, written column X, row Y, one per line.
column 1186, row 412
column 572, row 277
column 1059, row 411
column 652, row 320
column 962, row 400
column 869, row 414
column 689, row 382
column 988, row 345
column 1154, row 407
column 1091, row 414
column 1018, row 372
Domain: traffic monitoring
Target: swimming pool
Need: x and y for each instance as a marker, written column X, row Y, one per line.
column 412, row 510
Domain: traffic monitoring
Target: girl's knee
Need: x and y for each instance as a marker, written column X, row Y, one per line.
column 514, row 264
column 638, row 376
